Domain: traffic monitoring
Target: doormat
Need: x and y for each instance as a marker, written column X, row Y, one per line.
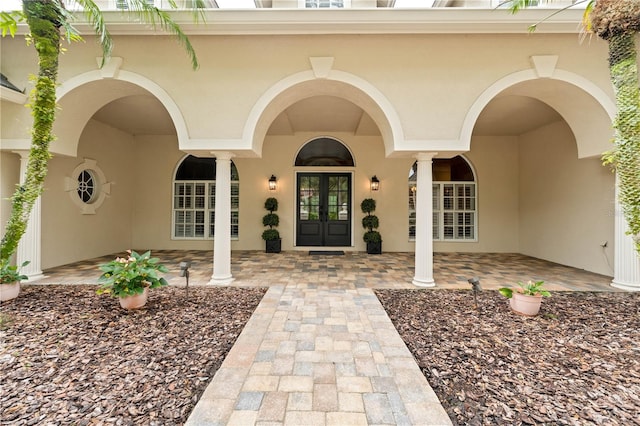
column 326, row 253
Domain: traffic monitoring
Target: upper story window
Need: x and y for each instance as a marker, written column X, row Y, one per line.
column 314, row 4
column 455, row 212
column 194, row 197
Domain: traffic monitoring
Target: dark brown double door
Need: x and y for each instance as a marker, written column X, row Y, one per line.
column 324, row 209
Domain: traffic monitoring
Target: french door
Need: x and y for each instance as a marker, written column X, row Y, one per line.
column 324, row 209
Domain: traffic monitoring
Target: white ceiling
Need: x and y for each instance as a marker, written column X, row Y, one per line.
column 143, row 114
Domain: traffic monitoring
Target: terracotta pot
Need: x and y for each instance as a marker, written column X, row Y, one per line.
column 9, row 291
column 524, row 304
column 136, row 301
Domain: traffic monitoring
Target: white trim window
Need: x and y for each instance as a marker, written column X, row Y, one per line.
column 324, row 4
column 455, row 211
column 194, row 197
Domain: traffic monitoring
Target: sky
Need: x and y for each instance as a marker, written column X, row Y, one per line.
column 239, row 4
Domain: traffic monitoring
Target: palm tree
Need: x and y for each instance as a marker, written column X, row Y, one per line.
column 49, row 21
column 617, row 22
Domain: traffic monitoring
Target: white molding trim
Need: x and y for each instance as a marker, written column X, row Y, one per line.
column 9, row 95
column 607, row 104
column 544, row 65
column 298, row 86
column 350, row 21
column 73, row 136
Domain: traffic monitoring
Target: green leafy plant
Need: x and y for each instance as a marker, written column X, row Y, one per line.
column 531, row 288
column 130, row 275
column 370, row 222
column 11, row 273
column 271, row 219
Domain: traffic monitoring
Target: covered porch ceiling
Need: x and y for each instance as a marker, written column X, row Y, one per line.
column 506, row 115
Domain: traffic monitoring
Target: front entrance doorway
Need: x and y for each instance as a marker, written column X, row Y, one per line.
column 324, row 209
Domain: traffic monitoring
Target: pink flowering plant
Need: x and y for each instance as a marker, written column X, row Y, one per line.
column 130, row 275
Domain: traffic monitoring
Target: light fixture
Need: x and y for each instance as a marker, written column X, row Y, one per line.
column 184, row 272
column 475, row 286
column 375, row 183
column 272, row 183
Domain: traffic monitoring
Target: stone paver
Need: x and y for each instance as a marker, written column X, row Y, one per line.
column 353, row 368
column 320, row 349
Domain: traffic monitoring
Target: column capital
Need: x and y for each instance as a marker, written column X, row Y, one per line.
column 223, row 155
column 23, row 153
column 425, row 156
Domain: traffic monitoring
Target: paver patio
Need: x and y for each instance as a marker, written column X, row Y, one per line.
column 320, row 349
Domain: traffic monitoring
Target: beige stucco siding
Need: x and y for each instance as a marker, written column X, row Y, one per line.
column 67, row 234
column 566, row 204
column 434, row 76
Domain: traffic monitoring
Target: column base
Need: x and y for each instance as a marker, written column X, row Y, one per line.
column 626, row 286
column 35, row 277
column 423, row 283
column 221, row 280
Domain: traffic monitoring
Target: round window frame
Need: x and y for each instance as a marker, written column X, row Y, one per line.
column 101, row 187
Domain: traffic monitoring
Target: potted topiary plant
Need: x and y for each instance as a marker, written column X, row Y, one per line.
column 271, row 236
column 370, row 223
column 10, row 278
column 130, row 278
column 527, row 299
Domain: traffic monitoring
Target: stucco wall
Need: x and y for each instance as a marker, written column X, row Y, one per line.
column 67, row 234
column 495, row 162
column 566, row 204
column 421, row 76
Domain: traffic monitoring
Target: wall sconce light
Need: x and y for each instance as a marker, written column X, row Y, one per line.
column 375, row 183
column 272, row 183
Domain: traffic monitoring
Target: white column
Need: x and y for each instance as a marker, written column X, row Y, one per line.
column 222, row 239
column 626, row 265
column 30, row 246
column 424, row 222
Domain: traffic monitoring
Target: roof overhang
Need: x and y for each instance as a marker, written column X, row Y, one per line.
column 351, row 21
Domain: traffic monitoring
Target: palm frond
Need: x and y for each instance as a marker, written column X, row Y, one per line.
column 96, row 18
column 155, row 17
column 9, row 22
column 516, row 6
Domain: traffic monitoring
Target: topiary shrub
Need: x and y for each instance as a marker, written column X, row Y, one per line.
column 370, row 222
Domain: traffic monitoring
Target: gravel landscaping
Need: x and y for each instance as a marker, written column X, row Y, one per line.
column 577, row 363
column 70, row 357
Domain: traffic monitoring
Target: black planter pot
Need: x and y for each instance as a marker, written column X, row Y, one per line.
column 374, row 248
column 273, row 246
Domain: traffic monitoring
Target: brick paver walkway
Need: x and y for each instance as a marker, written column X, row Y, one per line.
column 319, row 356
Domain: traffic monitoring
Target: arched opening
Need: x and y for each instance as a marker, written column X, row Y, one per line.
column 194, row 190
column 454, row 200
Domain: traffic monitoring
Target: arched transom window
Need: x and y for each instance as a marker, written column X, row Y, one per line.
column 194, row 193
column 455, row 215
column 324, row 152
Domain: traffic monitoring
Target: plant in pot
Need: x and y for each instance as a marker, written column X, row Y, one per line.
column 130, row 278
column 527, row 299
column 271, row 236
column 370, row 222
column 10, row 278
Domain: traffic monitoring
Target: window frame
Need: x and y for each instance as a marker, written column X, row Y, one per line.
column 207, row 208
column 438, row 211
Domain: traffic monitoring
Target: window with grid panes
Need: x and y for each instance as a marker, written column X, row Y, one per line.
column 194, row 191
column 313, row 4
column 454, row 200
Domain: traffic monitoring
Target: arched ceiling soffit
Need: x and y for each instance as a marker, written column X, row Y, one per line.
column 585, row 108
column 307, row 90
column 129, row 103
